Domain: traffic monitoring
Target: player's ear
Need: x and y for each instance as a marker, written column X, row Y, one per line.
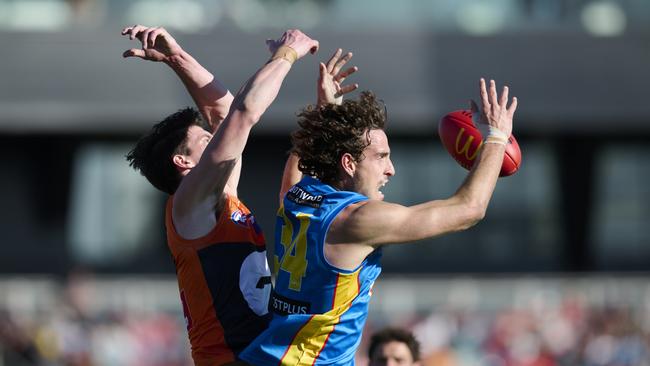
column 183, row 162
column 348, row 164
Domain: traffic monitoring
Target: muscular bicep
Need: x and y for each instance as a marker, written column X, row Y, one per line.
column 377, row 223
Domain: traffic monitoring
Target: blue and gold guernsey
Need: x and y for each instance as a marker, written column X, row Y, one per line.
column 318, row 310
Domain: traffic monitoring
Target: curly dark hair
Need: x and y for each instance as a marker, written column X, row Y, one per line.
column 329, row 131
column 152, row 154
column 394, row 335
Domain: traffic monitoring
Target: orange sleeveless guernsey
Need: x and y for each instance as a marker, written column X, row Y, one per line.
column 224, row 283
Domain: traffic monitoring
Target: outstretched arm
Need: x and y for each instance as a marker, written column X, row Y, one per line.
column 202, row 190
column 373, row 223
column 212, row 99
column 329, row 90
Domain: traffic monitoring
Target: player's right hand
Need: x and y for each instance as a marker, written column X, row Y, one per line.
column 494, row 110
column 294, row 38
column 157, row 44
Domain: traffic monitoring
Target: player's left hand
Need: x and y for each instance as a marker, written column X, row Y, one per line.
column 329, row 89
column 157, row 44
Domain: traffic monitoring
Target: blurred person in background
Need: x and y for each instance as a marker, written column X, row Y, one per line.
column 333, row 223
column 393, row 347
column 218, row 248
column 16, row 347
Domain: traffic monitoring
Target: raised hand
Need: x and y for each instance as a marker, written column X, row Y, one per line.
column 297, row 40
column 157, row 44
column 494, row 111
column 329, row 89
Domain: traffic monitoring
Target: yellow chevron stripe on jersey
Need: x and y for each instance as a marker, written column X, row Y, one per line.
column 305, row 348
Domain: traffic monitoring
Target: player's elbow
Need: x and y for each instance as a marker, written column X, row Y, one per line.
column 253, row 108
column 477, row 213
column 249, row 113
column 474, row 213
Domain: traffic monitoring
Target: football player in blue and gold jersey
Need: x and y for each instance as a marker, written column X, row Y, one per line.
column 333, row 223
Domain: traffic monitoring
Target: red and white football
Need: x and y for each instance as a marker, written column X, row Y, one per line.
column 463, row 141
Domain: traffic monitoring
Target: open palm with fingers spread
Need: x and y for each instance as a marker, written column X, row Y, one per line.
column 331, row 78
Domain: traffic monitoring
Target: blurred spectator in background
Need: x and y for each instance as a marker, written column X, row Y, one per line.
column 394, row 347
column 18, row 348
column 570, row 332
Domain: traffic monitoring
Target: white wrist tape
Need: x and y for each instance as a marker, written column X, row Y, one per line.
column 493, row 135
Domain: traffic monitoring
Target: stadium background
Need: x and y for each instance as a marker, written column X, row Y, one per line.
column 555, row 275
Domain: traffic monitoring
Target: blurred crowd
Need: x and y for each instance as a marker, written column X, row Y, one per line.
column 570, row 331
column 64, row 336
column 573, row 334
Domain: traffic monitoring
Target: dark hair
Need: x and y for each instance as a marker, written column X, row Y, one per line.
column 394, row 335
column 152, row 154
column 329, row 131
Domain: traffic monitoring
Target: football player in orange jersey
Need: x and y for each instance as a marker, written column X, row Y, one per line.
column 218, row 249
